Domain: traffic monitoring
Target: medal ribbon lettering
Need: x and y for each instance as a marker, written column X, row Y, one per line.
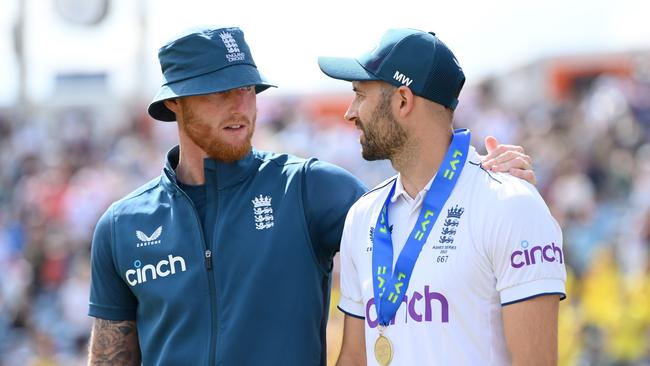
column 389, row 286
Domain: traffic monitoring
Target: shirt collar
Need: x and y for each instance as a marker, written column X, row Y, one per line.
column 401, row 192
column 472, row 156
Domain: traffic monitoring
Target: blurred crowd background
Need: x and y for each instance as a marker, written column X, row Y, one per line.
column 588, row 138
column 585, row 120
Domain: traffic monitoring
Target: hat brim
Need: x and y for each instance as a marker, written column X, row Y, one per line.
column 344, row 69
column 231, row 77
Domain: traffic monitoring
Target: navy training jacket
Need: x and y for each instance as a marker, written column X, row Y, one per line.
column 251, row 288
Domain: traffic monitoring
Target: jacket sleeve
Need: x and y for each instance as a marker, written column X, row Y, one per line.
column 110, row 296
column 328, row 193
column 351, row 301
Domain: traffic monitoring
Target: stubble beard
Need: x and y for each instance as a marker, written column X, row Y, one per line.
column 385, row 138
column 206, row 135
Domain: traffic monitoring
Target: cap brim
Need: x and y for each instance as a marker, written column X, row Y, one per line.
column 344, row 69
column 231, row 77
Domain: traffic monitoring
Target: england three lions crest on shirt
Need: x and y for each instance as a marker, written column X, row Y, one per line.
column 450, row 226
column 263, row 212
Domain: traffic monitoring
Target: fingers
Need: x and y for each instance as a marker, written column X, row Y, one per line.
column 527, row 175
column 507, row 160
column 491, row 143
column 501, row 149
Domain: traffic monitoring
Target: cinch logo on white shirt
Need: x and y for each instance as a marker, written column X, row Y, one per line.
column 163, row 268
column 411, row 311
column 528, row 256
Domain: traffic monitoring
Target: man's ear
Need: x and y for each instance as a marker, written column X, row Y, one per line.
column 406, row 100
column 172, row 104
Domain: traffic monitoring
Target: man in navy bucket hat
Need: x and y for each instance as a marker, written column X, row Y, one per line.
column 225, row 63
column 226, row 257
column 484, row 287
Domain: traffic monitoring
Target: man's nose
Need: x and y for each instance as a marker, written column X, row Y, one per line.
column 243, row 98
column 351, row 114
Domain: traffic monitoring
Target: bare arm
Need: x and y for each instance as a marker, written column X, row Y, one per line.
column 531, row 330
column 353, row 350
column 114, row 343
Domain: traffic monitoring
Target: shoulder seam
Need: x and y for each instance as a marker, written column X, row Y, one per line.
column 274, row 161
column 112, row 238
column 133, row 194
column 486, row 172
column 387, row 182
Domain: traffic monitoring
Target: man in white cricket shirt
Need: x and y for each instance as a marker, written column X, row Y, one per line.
column 447, row 263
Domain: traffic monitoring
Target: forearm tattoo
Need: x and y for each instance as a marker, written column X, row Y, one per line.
column 114, row 343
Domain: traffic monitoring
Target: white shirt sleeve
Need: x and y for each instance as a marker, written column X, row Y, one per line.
column 351, row 301
column 526, row 246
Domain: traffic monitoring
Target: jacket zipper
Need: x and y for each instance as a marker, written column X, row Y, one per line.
column 208, row 259
column 207, row 254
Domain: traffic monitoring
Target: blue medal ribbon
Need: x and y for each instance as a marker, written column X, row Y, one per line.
column 390, row 286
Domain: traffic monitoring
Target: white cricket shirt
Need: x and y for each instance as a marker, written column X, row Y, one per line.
column 494, row 243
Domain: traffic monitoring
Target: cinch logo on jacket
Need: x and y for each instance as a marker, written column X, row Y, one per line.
column 163, row 268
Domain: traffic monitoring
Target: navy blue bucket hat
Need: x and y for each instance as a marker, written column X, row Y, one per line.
column 409, row 57
column 204, row 61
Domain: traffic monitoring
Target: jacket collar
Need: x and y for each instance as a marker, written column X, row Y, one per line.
column 217, row 173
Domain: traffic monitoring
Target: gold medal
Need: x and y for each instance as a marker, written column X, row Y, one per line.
column 383, row 350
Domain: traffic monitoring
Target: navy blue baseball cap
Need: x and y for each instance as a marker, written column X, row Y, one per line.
column 203, row 61
column 409, row 57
